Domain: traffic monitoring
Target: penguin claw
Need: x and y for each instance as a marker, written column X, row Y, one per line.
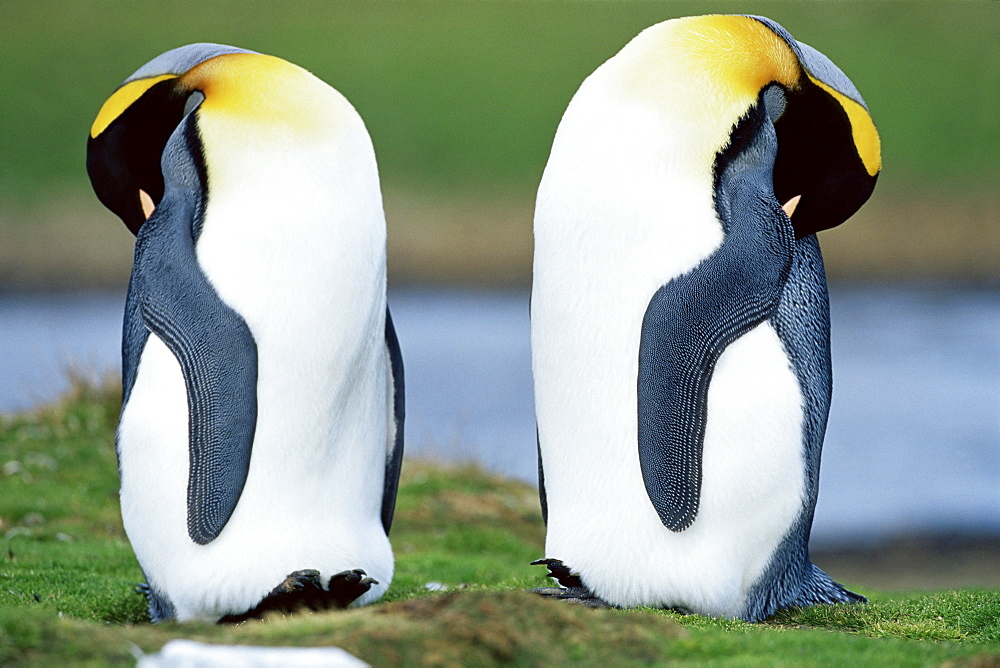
column 304, row 589
column 571, row 586
column 560, row 572
column 346, row 587
column 578, row 595
column 347, row 577
column 298, row 581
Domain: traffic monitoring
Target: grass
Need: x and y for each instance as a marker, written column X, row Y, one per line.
column 67, row 572
column 468, row 93
column 462, row 98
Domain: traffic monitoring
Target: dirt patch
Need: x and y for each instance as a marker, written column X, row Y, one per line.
column 917, row 563
column 72, row 241
column 66, row 242
column 906, row 236
column 472, row 239
column 505, row 626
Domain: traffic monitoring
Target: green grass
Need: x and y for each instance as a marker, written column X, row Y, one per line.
column 67, row 572
column 467, row 93
column 462, row 98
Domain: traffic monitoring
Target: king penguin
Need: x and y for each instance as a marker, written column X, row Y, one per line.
column 260, row 437
column 680, row 319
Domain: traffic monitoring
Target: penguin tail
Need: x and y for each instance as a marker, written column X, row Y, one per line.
column 160, row 607
column 818, row 587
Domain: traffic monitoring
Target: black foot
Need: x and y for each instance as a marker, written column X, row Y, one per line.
column 304, row 589
column 345, row 587
column 571, row 586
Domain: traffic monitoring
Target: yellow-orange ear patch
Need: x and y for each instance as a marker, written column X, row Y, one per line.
column 741, row 53
column 122, row 99
column 257, row 87
column 863, row 130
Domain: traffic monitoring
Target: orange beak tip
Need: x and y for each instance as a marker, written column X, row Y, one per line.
column 789, row 206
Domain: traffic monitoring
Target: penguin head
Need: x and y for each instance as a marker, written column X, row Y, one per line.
column 199, row 89
column 708, row 75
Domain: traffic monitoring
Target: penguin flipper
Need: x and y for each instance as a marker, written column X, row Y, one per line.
column 394, row 461
column 688, row 324
column 218, row 358
column 543, row 497
column 691, row 320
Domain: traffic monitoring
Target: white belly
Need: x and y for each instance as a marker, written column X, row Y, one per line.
column 311, row 287
column 309, row 502
column 601, row 522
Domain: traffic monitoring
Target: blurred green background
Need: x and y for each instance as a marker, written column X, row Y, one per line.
column 462, row 98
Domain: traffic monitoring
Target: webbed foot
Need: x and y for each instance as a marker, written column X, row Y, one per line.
column 346, row 587
column 571, row 586
column 304, row 589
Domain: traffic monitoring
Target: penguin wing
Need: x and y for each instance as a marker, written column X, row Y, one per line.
column 687, row 325
column 691, row 320
column 394, row 460
column 217, row 355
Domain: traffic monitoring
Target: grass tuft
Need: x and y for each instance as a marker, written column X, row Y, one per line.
column 67, row 575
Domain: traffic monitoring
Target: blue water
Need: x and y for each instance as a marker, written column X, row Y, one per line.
column 913, row 443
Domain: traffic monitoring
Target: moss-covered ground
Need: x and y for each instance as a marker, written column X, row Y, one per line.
column 67, row 575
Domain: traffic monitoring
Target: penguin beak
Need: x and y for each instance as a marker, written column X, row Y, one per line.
column 828, row 153
column 788, row 207
column 148, row 206
column 126, row 142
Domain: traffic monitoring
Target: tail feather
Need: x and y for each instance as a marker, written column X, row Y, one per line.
column 818, row 587
column 160, row 607
column 796, row 586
